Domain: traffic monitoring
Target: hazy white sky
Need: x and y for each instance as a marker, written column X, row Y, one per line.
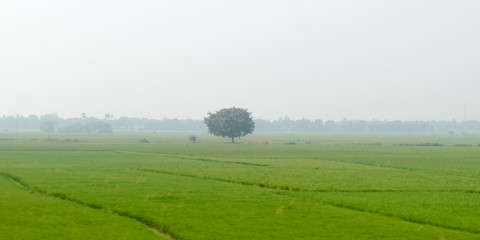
column 395, row 60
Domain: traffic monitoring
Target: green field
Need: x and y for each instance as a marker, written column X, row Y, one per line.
column 270, row 186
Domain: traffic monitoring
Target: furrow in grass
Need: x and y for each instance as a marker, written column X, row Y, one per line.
column 217, row 161
column 396, row 168
column 334, row 204
column 412, row 220
column 196, row 159
column 357, row 163
column 366, row 164
column 392, row 191
column 296, row 189
column 247, row 183
column 157, row 229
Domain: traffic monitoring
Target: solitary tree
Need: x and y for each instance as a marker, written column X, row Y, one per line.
column 230, row 122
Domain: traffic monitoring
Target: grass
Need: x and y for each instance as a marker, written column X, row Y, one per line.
column 323, row 187
column 32, row 215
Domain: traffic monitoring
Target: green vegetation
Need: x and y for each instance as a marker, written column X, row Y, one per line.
column 453, row 128
column 230, row 122
column 91, row 127
column 27, row 214
column 322, row 187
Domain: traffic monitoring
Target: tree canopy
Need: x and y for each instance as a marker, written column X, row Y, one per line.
column 230, row 122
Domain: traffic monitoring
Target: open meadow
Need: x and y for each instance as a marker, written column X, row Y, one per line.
column 266, row 186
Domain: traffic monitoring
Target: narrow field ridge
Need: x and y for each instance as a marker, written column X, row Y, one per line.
column 296, row 189
column 412, row 220
column 338, row 205
column 247, row 183
column 364, row 164
column 196, row 159
column 217, row 161
column 158, row 230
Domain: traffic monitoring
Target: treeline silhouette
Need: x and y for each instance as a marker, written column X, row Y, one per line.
column 33, row 122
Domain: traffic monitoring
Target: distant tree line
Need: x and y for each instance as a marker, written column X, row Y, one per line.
column 91, row 127
column 166, row 124
column 54, row 123
column 305, row 125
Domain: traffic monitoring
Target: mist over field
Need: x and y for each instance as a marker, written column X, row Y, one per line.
column 254, row 119
column 329, row 60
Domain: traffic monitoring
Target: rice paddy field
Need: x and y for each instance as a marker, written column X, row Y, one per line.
column 267, row 186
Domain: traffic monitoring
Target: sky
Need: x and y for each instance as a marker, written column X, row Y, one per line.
column 330, row 60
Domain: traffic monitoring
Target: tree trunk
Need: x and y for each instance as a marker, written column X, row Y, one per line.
column 233, row 140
